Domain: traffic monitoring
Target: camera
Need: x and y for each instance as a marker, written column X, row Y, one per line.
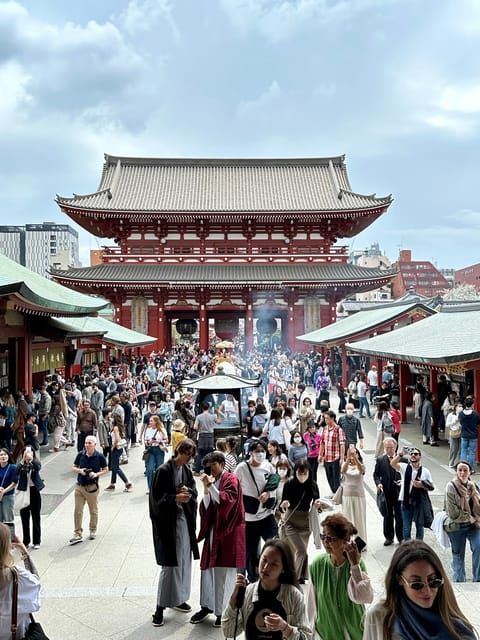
column 88, row 471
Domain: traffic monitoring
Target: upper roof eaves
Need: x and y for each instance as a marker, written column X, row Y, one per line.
column 369, row 319
column 224, row 185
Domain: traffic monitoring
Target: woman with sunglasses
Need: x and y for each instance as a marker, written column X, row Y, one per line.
column 339, row 587
column 420, row 601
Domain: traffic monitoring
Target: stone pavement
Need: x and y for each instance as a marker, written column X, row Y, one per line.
column 106, row 588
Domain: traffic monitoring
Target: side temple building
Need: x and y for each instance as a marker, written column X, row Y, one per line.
column 250, row 244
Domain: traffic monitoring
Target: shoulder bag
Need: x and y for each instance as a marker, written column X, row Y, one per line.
column 35, row 630
column 283, row 521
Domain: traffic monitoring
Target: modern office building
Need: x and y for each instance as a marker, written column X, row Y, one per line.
column 41, row 247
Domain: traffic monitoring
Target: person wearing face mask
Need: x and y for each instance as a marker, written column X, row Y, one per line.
column 284, row 470
column 352, row 427
column 259, row 503
column 298, row 449
column 299, row 492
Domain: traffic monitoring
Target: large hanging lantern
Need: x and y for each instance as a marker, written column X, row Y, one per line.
column 226, row 328
column 266, row 326
column 186, row 327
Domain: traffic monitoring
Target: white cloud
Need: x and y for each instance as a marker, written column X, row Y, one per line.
column 279, row 20
column 15, row 95
column 261, row 105
column 143, row 16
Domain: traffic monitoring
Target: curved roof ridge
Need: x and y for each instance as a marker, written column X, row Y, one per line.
column 60, row 198
column 367, row 196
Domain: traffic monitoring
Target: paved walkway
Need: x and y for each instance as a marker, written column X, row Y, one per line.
column 106, row 588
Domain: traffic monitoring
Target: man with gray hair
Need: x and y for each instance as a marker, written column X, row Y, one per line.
column 388, row 480
column 89, row 465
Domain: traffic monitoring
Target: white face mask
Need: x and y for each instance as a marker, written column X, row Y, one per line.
column 349, row 412
column 302, row 477
column 297, row 439
column 282, row 473
column 259, row 456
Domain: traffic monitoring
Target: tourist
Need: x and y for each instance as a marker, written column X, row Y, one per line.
column 312, row 439
column 352, row 427
column 298, row 449
column 416, row 480
column 89, row 465
column 388, row 480
column 454, row 430
column 339, row 587
column 8, row 482
column 156, row 444
column 28, row 600
column 419, row 600
column 462, row 504
column 470, row 422
column 362, row 397
column 306, row 415
column 332, row 450
column 300, row 494
column 354, row 506
column 222, row 527
column 173, row 512
column 30, row 482
column 273, row 606
column 204, row 425
column 118, row 436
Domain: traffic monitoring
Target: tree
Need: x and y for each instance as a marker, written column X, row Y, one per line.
column 462, row 292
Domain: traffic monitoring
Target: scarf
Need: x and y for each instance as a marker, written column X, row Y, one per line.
column 410, row 497
column 416, row 623
column 469, row 499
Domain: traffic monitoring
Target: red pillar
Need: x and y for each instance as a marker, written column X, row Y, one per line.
column 160, row 333
column 404, row 378
column 343, row 351
column 203, row 337
column 24, row 360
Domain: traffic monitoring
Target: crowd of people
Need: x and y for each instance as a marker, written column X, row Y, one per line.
column 248, row 506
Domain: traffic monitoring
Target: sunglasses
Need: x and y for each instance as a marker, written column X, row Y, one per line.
column 327, row 539
column 415, row 453
column 418, row 585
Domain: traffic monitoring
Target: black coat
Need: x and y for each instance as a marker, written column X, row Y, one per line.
column 163, row 513
column 386, row 475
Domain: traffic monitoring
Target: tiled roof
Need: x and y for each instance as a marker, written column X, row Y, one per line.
column 42, row 295
column 441, row 339
column 267, row 274
column 360, row 322
column 219, row 185
column 103, row 328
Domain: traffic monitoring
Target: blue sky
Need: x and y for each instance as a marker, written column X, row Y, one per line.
column 392, row 84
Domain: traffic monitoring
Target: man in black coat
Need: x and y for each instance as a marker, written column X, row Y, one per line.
column 173, row 512
column 388, row 480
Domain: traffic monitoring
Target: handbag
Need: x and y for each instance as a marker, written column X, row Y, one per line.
column 22, row 499
column 146, row 454
column 122, row 443
column 283, row 521
column 35, row 630
column 382, row 504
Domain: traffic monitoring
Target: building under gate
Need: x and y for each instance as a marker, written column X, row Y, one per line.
column 250, row 244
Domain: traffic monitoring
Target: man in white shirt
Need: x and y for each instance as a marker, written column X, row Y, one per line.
column 415, row 479
column 372, row 377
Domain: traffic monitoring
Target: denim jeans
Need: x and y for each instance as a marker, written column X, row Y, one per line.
column 115, row 466
column 6, row 507
column 469, row 449
column 363, row 402
column 407, row 517
column 43, row 429
column 458, row 540
column 155, row 459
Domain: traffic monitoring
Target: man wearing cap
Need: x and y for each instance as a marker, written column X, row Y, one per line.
column 415, row 479
column 372, row 377
column 259, row 519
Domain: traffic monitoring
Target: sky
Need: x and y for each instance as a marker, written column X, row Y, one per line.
column 392, row 84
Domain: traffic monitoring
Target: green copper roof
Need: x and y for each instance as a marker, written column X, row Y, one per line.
column 442, row 339
column 34, row 292
column 361, row 322
column 102, row 328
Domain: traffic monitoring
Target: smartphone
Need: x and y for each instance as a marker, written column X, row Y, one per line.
column 361, row 544
column 11, row 526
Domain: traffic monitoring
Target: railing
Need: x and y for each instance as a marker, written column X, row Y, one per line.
column 168, row 255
